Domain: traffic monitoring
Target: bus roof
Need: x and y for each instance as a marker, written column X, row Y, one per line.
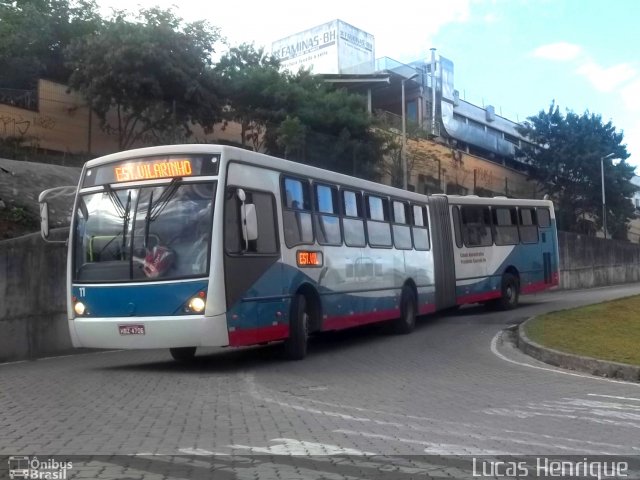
column 230, row 153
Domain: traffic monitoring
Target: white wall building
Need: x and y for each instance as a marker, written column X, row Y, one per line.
column 334, row 47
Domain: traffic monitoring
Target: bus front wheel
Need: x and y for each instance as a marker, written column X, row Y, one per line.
column 183, row 354
column 295, row 347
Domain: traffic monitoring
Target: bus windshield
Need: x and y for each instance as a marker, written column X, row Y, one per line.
column 144, row 233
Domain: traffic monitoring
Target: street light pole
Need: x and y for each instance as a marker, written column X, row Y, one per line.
column 604, row 202
column 403, row 153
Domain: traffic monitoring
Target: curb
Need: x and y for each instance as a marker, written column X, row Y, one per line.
column 570, row 361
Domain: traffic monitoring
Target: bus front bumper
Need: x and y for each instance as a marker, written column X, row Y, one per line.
column 149, row 332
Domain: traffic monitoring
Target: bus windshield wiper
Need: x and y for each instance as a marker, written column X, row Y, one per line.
column 127, row 211
column 163, row 201
column 155, row 209
column 123, row 212
column 147, row 221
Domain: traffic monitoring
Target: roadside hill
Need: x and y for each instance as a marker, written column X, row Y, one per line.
column 20, row 185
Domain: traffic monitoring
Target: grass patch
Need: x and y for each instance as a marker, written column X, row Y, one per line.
column 608, row 331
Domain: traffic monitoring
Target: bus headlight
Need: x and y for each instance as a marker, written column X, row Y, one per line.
column 197, row 304
column 79, row 308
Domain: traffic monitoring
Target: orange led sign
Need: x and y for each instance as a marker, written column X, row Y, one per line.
column 153, row 169
column 309, row 259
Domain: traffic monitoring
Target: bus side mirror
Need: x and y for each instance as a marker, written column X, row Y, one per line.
column 60, row 197
column 248, row 219
column 44, row 220
column 249, row 223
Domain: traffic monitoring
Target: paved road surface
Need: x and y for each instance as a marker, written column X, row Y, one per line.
column 453, row 387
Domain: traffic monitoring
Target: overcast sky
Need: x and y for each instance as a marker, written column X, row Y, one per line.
column 517, row 55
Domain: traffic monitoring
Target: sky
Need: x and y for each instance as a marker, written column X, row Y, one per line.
column 517, row 55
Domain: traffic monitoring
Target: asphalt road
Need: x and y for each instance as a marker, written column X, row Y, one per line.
column 451, row 388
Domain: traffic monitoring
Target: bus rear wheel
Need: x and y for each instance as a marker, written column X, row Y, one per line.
column 295, row 347
column 510, row 292
column 408, row 311
column 183, row 354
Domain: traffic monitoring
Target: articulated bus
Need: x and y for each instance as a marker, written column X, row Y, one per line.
column 190, row 246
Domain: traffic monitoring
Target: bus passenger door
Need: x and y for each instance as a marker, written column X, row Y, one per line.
column 444, row 266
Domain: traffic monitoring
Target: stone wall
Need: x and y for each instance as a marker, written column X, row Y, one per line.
column 32, row 299
column 587, row 262
column 33, row 320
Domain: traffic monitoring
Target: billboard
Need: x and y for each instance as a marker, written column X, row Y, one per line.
column 334, row 47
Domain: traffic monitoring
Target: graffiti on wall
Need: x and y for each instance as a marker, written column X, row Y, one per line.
column 19, row 126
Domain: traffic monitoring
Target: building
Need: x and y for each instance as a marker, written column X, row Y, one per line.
column 419, row 99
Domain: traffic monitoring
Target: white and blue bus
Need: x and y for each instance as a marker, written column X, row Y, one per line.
column 190, row 246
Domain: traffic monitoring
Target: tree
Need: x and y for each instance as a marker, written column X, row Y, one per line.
column 564, row 156
column 332, row 128
column 34, row 34
column 155, row 74
column 251, row 85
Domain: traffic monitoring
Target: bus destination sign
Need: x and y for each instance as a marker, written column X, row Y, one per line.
column 306, row 258
column 152, row 168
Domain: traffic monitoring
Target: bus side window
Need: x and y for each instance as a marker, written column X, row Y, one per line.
column 528, row 225
column 352, row 223
column 296, row 212
column 544, row 217
column 326, row 219
column 505, row 225
column 267, row 242
column 476, row 226
column 455, row 212
column 378, row 227
column 401, row 229
column 420, row 228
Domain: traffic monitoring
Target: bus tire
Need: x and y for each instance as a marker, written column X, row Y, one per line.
column 183, row 354
column 408, row 310
column 510, row 292
column 295, row 347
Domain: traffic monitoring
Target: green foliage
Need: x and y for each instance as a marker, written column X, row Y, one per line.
column 334, row 129
column 297, row 116
column 564, row 157
column 155, row 73
column 34, row 34
column 252, row 86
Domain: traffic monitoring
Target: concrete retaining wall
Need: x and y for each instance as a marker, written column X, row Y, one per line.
column 587, row 262
column 32, row 287
column 32, row 299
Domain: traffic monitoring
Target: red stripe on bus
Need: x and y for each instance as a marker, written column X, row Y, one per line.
column 478, row 297
column 356, row 319
column 251, row 336
column 426, row 308
column 536, row 287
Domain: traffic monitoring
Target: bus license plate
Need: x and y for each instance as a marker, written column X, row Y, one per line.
column 131, row 329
